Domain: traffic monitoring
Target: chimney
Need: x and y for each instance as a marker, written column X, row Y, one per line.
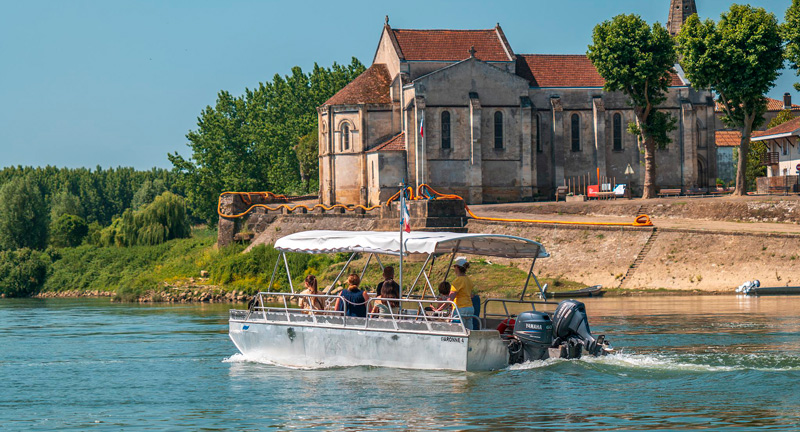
column 787, row 101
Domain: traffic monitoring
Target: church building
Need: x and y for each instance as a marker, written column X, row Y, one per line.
column 461, row 111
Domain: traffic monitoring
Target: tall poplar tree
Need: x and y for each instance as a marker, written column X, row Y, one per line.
column 637, row 59
column 739, row 59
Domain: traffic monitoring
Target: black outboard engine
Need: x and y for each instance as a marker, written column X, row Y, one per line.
column 571, row 331
column 534, row 330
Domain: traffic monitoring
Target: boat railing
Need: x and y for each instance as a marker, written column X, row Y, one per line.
column 404, row 315
column 504, row 312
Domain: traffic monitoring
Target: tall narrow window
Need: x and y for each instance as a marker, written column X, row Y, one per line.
column 576, row 133
column 445, row 130
column 346, row 136
column 498, row 130
column 617, row 132
column 538, row 134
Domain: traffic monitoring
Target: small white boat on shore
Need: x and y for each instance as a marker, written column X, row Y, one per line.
column 274, row 330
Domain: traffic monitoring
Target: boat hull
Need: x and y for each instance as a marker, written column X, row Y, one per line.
column 321, row 347
column 774, row 291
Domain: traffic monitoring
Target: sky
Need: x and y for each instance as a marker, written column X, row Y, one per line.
column 120, row 83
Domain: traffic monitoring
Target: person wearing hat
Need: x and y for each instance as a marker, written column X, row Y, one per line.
column 461, row 291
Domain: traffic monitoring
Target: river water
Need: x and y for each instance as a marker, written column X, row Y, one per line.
column 686, row 363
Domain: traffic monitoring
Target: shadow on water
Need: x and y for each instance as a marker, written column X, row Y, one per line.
column 720, row 363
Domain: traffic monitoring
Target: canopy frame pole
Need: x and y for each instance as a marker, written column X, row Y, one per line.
column 452, row 258
column 274, row 271
column 380, row 263
column 527, row 280
column 541, row 292
column 421, row 271
column 333, row 284
column 430, row 270
column 364, row 271
column 288, row 274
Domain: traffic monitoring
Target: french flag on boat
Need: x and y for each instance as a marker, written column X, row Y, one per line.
column 422, row 127
column 405, row 218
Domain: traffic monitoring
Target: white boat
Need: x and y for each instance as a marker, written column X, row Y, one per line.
column 411, row 337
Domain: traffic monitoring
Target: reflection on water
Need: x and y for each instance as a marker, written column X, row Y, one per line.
column 684, row 363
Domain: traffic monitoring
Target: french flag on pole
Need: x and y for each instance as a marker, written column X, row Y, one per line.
column 422, row 127
column 405, row 218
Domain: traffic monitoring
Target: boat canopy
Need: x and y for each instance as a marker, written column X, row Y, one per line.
column 416, row 242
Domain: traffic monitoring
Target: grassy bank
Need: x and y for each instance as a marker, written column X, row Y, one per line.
column 152, row 271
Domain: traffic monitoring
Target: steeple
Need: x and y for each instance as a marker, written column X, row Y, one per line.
column 679, row 12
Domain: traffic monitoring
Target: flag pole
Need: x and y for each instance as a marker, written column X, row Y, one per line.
column 402, row 216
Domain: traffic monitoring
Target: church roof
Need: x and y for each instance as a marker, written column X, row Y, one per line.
column 772, row 105
column 395, row 143
column 452, row 45
column 371, row 87
column 564, row 70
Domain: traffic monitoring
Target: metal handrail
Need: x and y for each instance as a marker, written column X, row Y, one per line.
column 505, row 303
column 403, row 315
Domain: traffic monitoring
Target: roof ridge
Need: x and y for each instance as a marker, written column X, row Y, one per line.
column 455, row 30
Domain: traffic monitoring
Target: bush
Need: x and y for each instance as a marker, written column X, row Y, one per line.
column 68, row 231
column 22, row 272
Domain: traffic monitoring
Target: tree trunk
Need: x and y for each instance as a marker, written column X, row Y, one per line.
column 649, row 168
column 744, row 151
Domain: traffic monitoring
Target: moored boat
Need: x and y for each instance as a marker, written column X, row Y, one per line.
column 592, row 291
column 411, row 335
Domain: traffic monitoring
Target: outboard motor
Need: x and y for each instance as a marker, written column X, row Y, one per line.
column 534, row 330
column 571, row 331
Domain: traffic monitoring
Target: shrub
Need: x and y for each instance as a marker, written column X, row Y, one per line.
column 22, row 272
column 68, row 231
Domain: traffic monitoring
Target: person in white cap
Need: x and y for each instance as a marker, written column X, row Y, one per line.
column 461, row 291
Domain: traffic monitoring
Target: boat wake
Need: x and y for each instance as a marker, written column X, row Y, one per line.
column 767, row 362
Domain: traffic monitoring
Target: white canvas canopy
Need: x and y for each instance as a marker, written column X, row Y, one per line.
column 314, row 242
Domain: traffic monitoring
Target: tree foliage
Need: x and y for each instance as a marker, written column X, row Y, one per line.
column 247, row 143
column 22, row 272
column 307, row 150
column 68, row 231
column 637, row 59
column 163, row 219
column 23, row 215
column 790, row 30
column 147, row 193
column 739, row 59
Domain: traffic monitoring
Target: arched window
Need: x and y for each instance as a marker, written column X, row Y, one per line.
column 617, row 132
column 445, row 130
column 346, row 136
column 538, row 134
column 576, row 133
column 498, row 130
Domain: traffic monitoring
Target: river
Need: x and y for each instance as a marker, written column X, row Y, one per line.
column 686, row 363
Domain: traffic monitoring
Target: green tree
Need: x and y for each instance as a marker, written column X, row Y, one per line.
column 637, row 59
column 22, row 272
column 739, row 59
column 23, row 215
column 65, row 203
column 782, row 117
column 247, row 143
column 147, row 192
column 163, row 219
column 68, row 231
column 790, row 31
column 307, row 150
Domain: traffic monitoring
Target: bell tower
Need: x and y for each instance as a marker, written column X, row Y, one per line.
column 679, row 12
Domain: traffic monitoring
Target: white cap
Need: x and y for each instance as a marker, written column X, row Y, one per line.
column 460, row 261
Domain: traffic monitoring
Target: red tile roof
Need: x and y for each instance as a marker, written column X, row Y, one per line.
column 728, row 138
column 772, row 105
column 371, row 87
column 452, row 45
column 786, row 127
column 395, row 143
column 564, row 70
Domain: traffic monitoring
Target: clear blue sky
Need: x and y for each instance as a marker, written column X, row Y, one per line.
column 86, row 83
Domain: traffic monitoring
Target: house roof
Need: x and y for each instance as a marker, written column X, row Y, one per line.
column 786, row 129
column 395, row 143
column 772, row 105
column 564, row 70
column 452, row 45
column 728, row 138
column 371, row 87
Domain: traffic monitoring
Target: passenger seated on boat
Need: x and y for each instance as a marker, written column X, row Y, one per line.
column 353, row 301
column 444, row 295
column 310, row 304
column 388, row 276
